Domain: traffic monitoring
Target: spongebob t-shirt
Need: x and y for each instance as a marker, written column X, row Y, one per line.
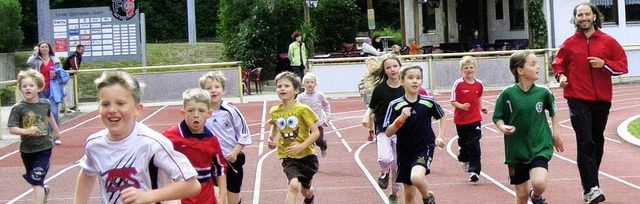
column 293, row 124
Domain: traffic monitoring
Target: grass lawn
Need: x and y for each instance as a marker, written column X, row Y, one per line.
column 157, row 54
column 634, row 127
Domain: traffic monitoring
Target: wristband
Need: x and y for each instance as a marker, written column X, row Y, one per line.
column 398, row 122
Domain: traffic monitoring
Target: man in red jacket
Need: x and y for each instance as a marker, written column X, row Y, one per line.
column 583, row 67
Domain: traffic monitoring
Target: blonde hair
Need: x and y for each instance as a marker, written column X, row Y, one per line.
column 378, row 76
column 213, row 76
column 111, row 78
column 309, row 75
column 36, row 76
column 295, row 80
column 196, row 95
column 468, row 60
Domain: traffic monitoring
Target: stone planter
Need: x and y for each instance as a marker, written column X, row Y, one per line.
column 7, row 66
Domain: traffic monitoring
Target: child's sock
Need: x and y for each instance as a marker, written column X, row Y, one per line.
column 309, row 200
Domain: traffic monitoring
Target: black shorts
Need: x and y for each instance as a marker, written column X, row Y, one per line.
column 36, row 165
column 235, row 174
column 519, row 173
column 422, row 158
column 303, row 169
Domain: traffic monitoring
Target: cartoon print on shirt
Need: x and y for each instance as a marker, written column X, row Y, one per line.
column 119, row 179
column 288, row 127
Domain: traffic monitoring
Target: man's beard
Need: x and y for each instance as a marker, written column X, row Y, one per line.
column 588, row 27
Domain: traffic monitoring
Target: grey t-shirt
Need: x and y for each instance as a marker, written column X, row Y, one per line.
column 25, row 115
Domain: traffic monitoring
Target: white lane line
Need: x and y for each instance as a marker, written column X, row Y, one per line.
column 256, row 184
column 569, row 127
column 373, row 181
column 68, row 129
column 601, row 172
column 45, row 181
column 264, row 111
column 344, row 142
column 489, row 178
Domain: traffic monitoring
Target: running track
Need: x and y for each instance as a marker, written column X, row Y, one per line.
column 348, row 173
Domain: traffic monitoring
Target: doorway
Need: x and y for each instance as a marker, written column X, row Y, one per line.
column 471, row 15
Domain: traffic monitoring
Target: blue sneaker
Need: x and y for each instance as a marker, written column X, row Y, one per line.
column 538, row 200
column 430, row 199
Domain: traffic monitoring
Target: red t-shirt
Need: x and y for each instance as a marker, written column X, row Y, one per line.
column 45, row 70
column 463, row 92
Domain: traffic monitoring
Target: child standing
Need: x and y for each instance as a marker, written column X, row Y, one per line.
column 528, row 142
column 127, row 154
column 228, row 124
column 411, row 115
column 31, row 118
column 201, row 147
column 295, row 123
column 466, row 97
column 387, row 84
column 366, row 91
column 319, row 104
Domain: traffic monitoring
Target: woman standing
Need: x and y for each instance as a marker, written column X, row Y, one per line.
column 44, row 60
column 297, row 54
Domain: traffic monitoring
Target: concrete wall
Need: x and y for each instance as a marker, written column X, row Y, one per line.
column 168, row 86
column 500, row 29
column 7, row 66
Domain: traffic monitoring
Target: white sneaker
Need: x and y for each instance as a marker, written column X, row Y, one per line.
column 57, row 141
column 46, row 193
column 473, row 177
column 594, row 196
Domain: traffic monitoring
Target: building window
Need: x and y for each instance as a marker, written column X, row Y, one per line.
column 499, row 13
column 633, row 11
column 428, row 18
column 516, row 14
column 609, row 9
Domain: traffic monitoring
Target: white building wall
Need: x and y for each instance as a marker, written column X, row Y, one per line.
column 500, row 29
column 563, row 12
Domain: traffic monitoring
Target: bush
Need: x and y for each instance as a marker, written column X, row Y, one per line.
column 10, row 34
column 7, row 95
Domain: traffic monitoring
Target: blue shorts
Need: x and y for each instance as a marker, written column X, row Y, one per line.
column 519, row 173
column 422, row 158
column 36, row 165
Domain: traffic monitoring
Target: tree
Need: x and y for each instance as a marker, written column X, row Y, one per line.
column 10, row 34
column 334, row 21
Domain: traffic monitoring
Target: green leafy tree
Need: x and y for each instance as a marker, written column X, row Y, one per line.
column 10, row 34
column 255, row 44
column 334, row 21
column 537, row 25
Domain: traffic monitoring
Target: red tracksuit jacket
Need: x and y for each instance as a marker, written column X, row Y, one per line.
column 585, row 82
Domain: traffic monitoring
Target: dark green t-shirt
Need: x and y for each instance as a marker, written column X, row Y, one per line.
column 525, row 111
column 25, row 115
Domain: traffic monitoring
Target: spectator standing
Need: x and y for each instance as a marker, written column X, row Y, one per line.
column 43, row 59
column 298, row 54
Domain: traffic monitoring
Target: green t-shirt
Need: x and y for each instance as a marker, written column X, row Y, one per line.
column 25, row 115
column 525, row 111
column 293, row 124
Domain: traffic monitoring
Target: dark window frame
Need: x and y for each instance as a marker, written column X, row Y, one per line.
column 428, row 19
column 609, row 9
column 516, row 15
column 632, row 8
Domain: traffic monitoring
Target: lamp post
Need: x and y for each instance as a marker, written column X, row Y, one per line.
column 309, row 4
